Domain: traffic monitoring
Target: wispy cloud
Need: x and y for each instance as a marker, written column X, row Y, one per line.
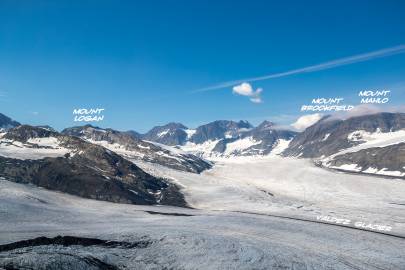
column 245, row 89
column 3, row 96
column 322, row 66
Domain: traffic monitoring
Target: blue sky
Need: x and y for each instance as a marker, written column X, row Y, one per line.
column 145, row 61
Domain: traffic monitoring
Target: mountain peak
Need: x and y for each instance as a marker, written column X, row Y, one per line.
column 170, row 134
column 244, row 124
column 6, row 122
column 174, row 125
column 266, row 125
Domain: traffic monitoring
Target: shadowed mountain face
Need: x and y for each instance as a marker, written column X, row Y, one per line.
column 372, row 144
column 218, row 130
column 376, row 160
column 178, row 134
column 6, row 122
column 84, row 169
column 136, row 149
column 133, row 134
column 328, row 136
column 170, row 134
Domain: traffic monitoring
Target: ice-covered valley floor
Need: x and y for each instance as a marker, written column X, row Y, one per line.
column 292, row 187
column 249, row 213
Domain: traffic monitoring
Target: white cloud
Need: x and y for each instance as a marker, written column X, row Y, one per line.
column 306, row 120
column 256, row 100
column 245, row 89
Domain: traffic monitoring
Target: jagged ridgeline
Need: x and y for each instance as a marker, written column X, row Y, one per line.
column 128, row 145
column 223, row 138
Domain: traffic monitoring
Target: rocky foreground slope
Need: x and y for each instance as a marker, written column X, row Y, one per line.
column 69, row 164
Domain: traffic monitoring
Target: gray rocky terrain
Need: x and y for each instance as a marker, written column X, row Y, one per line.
column 329, row 135
column 87, row 170
column 137, row 149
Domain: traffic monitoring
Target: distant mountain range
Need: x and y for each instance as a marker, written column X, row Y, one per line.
column 222, row 138
column 104, row 164
column 331, row 142
column 178, row 134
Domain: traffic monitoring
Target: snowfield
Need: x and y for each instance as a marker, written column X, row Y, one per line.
column 291, row 187
column 202, row 149
column 47, row 147
column 369, row 140
column 280, row 146
column 376, row 139
column 240, row 145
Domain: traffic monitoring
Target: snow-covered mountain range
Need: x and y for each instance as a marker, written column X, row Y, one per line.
column 367, row 144
column 130, row 147
column 261, row 182
column 103, row 163
column 223, row 138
